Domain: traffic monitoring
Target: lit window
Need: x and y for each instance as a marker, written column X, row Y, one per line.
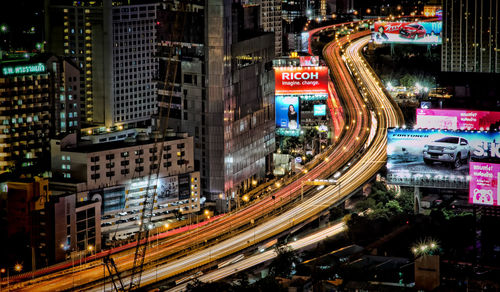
column 63, row 115
column 63, row 125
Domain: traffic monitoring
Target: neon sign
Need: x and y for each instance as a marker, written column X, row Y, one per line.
column 24, row 69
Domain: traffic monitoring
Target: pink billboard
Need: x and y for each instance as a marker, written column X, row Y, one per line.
column 483, row 184
column 456, row 119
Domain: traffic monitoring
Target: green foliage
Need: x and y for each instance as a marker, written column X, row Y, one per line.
column 241, row 284
column 283, row 263
column 405, row 200
column 393, row 207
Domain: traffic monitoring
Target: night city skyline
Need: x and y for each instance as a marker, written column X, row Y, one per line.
column 250, row 145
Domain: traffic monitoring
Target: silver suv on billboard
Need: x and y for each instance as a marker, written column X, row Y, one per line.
column 451, row 149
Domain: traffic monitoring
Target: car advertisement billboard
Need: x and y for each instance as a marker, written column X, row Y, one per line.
column 438, row 158
column 301, row 80
column 287, row 112
column 484, row 187
column 456, row 119
column 407, row 32
column 309, row 61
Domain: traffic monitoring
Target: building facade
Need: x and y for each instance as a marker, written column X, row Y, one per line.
column 471, row 32
column 223, row 91
column 37, row 100
column 120, row 174
column 114, row 47
column 74, row 227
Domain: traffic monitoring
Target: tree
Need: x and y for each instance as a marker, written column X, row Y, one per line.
column 286, row 259
column 199, row 286
column 405, row 200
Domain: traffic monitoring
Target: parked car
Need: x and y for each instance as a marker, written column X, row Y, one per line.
column 412, row 31
column 450, row 149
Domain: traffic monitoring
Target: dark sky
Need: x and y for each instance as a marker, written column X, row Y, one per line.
column 20, row 16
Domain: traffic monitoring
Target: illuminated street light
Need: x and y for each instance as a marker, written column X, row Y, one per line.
column 426, row 247
column 18, row 267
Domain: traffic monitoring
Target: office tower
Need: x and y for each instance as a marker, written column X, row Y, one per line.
column 271, row 21
column 223, row 91
column 37, row 93
column 114, row 47
column 470, row 36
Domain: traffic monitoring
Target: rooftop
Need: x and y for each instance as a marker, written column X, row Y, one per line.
column 141, row 139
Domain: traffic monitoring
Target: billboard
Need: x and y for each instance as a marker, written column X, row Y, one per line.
column 319, row 110
column 167, row 188
column 456, row 119
column 407, row 32
column 437, row 158
column 301, row 80
column 309, row 61
column 484, row 187
column 287, row 112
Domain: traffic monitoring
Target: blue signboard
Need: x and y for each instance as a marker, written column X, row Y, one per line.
column 287, row 112
column 319, row 110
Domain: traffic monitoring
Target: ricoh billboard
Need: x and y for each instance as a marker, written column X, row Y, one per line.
column 438, row 158
column 456, row 119
column 407, row 32
column 484, row 188
column 301, row 80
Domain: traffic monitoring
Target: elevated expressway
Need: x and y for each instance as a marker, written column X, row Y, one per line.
column 260, row 220
column 388, row 115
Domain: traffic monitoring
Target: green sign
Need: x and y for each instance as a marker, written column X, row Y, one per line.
column 313, row 97
column 24, row 69
column 288, row 132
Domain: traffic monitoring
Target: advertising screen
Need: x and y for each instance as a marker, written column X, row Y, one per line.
column 438, row 158
column 287, row 112
column 456, row 119
column 167, row 188
column 407, row 32
column 308, row 61
column 484, row 187
column 319, row 110
column 304, row 41
column 301, row 80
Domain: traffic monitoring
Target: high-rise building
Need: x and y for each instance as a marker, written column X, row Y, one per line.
column 37, row 93
column 271, row 21
column 222, row 94
column 471, row 32
column 114, row 47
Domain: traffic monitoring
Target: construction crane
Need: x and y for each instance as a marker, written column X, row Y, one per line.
column 153, row 176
